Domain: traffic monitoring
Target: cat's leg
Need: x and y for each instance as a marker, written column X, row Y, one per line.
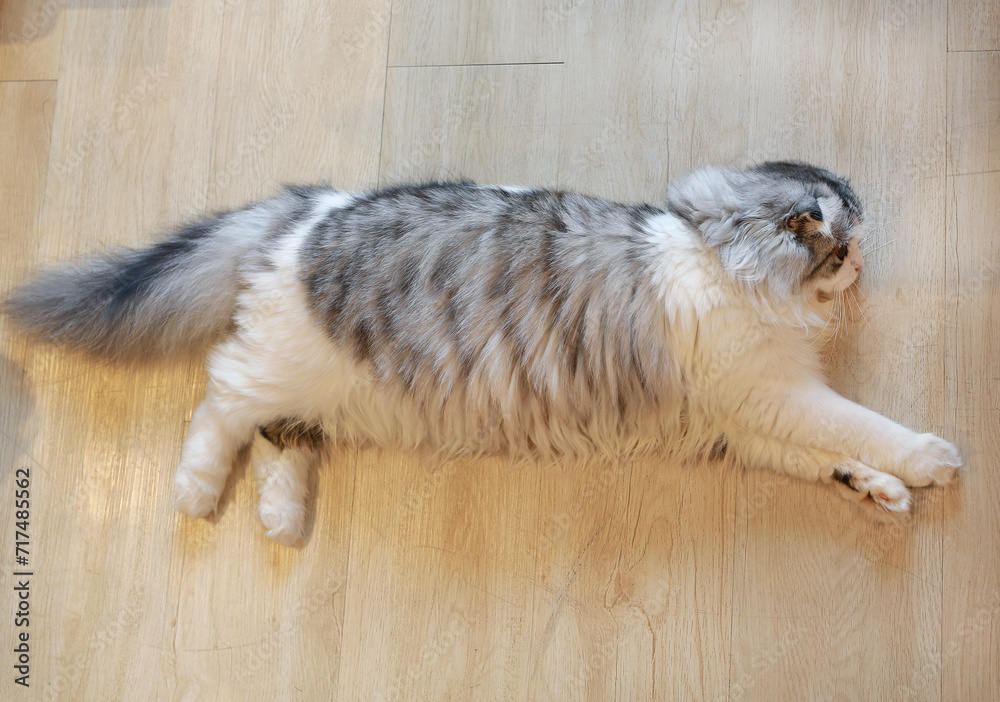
column 219, row 429
column 282, row 469
column 811, row 414
column 856, row 481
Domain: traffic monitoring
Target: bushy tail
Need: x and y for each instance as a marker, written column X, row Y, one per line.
column 131, row 304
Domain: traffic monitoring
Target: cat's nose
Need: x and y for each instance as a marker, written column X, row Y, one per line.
column 856, row 259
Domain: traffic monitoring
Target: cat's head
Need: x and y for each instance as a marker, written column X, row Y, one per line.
column 790, row 226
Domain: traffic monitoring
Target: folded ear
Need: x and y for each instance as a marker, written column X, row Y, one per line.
column 805, row 217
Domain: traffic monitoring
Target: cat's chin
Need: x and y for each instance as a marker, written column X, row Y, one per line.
column 827, row 294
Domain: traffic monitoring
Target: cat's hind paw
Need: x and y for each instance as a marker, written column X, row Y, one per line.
column 932, row 461
column 194, row 496
column 284, row 524
column 282, row 482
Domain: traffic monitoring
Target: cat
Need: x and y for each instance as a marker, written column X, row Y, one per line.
column 481, row 319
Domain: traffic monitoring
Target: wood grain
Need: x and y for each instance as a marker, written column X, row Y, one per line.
column 973, row 112
column 971, row 584
column 423, row 579
column 429, row 33
column 971, row 617
column 484, row 123
column 300, row 98
column 973, row 26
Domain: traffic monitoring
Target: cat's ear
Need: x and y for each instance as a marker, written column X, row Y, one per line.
column 805, row 217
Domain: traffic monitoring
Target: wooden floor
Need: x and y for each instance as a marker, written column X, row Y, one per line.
column 628, row 580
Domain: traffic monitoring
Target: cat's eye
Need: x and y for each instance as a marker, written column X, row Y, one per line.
column 840, row 252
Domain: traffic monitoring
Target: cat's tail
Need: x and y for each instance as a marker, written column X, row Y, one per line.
column 132, row 304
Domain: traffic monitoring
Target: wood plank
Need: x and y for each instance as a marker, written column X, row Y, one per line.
column 150, row 134
column 973, row 25
column 970, row 658
column 970, row 655
column 27, row 110
column 973, row 112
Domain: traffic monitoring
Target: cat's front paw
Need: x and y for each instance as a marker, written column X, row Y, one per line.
column 882, row 496
column 886, row 491
column 932, row 461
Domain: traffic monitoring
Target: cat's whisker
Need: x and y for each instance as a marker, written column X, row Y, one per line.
column 874, row 236
column 883, row 224
column 858, row 304
column 850, row 294
column 872, row 249
column 856, row 309
column 837, row 319
column 875, row 231
column 821, row 337
column 875, row 329
column 841, row 326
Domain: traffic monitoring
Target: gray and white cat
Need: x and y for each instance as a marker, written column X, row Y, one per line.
column 493, row 319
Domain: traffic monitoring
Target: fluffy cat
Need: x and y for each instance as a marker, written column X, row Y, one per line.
column 492, row 319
